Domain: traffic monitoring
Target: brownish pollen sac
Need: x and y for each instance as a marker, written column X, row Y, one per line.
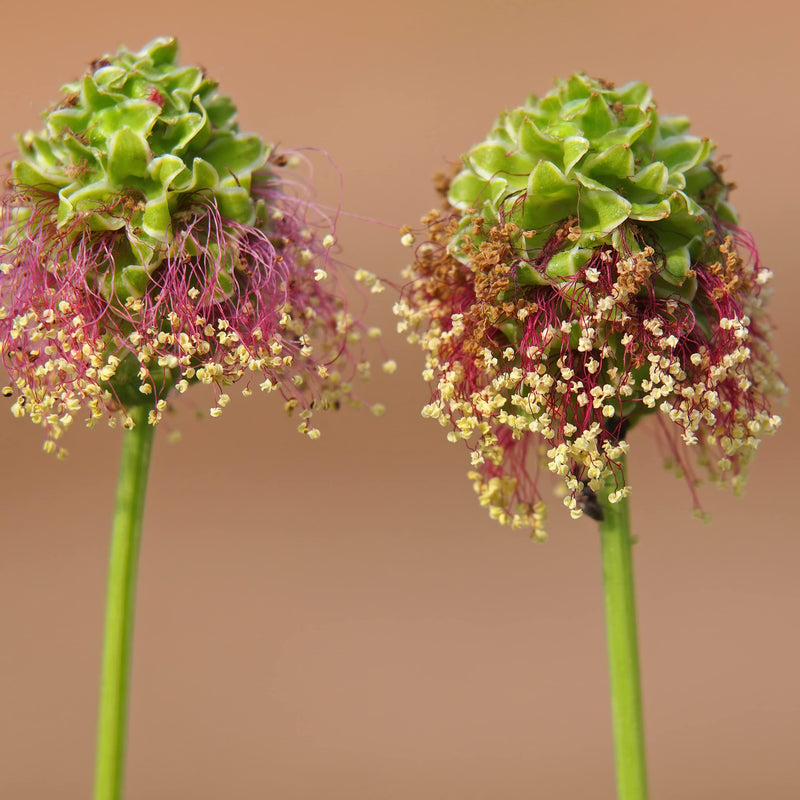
column 552, row 372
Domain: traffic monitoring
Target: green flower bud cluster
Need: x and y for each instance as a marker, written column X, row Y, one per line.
column 600, row 156
column 135, row 138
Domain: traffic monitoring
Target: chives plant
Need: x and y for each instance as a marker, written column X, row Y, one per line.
column 149, row 245
column 586, row 272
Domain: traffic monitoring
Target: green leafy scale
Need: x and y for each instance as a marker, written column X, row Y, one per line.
column 135, row 137
column 601, row 156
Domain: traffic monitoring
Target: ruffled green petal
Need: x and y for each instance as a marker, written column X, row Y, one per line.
column 602, row 211
column 568, row 262
column 128, row 155
column 575, row 147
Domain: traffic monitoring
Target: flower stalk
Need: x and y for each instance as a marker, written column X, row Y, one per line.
column 120, row 604
column 623, row 649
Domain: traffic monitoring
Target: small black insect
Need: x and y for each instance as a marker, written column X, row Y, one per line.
column 588, row 503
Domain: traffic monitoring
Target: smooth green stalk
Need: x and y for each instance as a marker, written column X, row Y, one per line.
column 126, row 535
column 623, row 648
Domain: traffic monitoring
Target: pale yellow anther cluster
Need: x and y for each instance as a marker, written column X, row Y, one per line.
column 67, row 372
column 370, row 280
column 518, row 401
column 623, row 376
column 70, row 369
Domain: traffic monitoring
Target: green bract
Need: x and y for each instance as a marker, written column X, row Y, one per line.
column 135, row 138
column 599, row 156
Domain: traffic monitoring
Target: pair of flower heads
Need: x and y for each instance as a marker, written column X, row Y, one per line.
column 585, row 270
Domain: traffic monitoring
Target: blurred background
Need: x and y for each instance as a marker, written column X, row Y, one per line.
column 339, row 618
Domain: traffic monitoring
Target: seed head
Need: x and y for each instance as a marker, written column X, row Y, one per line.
column 148, row 245
column 586, row 271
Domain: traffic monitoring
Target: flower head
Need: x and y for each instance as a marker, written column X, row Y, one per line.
column 587, row 271
column 147, row 244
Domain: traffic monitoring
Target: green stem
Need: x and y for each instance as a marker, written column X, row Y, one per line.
column 623, row 648
column 115, row 681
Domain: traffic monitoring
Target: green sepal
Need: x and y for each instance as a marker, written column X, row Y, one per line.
column 547, row 181
column 602, row 211
column 163, row 170
column 575, row 147
column 634, row 94
column 615, row 163
column 677, row 265
column 135, row 279
column 67, row 119
column 225, row 286
column 550, row 196
column 528, row 276
column 512, row 330
column 138, row 116
column 42, row 152
column 146, row 250
column 178, row 136
column 680, row 153
column 649, row 212
column 726, row 212
column 221, row 111
column 92, row 201
column 163, row 51
column 533, row 141
column 88, row 160
column 597, row 118
column 674, row 126
column 667, row 287
column 491, row 159
column 157, row 219
column 652, row 178
column 234, row 203
column 567, row 262
column 466, row 189
column 28, row 174
column 203, row 176
column 636, row 125
column 128, row 155
column 233, row 156
column 577, row 87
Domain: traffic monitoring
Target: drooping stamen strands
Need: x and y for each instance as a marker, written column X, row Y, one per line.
column 551, row 341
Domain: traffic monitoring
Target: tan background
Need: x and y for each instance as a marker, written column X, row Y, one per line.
column 339, row 619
